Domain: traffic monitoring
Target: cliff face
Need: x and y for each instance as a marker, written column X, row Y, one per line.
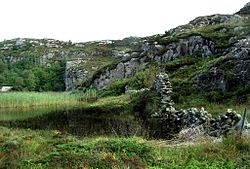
column 219, row 42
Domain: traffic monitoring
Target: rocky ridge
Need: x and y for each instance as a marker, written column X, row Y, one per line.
column 245, row 9
column 167, row 49
column 204, row 37
column 204, row 21
column 155, row 53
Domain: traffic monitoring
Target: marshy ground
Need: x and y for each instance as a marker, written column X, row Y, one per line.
column 52, row 148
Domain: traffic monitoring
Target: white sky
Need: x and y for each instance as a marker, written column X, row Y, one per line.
column 87, row 20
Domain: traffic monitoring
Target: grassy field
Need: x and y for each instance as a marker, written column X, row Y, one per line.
column 38, row 149
column 21, row 148
column 32, row 99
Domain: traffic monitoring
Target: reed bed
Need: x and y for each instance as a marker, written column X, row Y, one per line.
column 33, row 99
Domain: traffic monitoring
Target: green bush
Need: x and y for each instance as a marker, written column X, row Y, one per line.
column 215, row 97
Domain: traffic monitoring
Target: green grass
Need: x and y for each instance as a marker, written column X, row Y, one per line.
column 108, row 102
column 21, row 148
column 33, row 99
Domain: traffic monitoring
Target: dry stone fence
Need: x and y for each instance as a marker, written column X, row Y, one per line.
column 167, row 122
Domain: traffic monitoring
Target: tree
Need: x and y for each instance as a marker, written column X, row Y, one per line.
column 2, row 80
column 19, row 83
column 3, row 66
column 29, row 80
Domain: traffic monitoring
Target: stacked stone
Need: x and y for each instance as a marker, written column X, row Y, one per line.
column 194, row 117
column 223, row 124
column 164, row 87
column 168, row 121
column 171, row 121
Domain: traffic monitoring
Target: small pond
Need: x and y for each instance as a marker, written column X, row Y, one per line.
column 75, row 120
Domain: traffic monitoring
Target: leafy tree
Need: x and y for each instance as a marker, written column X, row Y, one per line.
column 2, row 79
column 19, row 83
column 29, row 80
column 3, row 66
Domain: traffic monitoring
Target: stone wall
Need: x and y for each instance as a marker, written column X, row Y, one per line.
column 168, row 122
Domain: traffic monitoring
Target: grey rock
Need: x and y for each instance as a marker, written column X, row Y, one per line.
column 232, row 75
column 74, row 74
column 213, row 80
column 159, row 47
column 130, row 67
column 168, row 56
column 122, row 70
column 240, row 49
column 223, row 30
column 184, row 47
column 245, row 9
column 204, row 21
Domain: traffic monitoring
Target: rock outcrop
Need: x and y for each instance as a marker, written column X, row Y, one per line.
column 204, row 21
column 226, row 78
column 232, row 72
column 122, row 70
column 240, row 50
column 245, row 9
column 157, row 53
column 161, row 52
column 212, row 80
column 74, row 74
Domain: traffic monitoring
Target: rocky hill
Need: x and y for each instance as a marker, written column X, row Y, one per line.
column 245, row 9
column 209, row 55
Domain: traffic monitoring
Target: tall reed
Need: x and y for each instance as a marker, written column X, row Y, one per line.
column 32, row 99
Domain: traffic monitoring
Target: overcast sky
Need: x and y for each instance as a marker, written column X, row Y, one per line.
column 88, row 20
